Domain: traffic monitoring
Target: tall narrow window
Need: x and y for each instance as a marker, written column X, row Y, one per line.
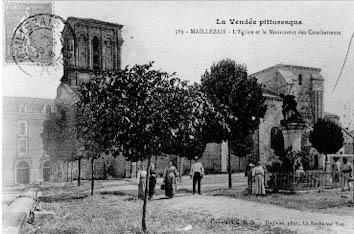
column 96, row 63
column 22, row 108
column 22, row 128
column 108, row 58
column 48, row 109
column 300, row 79
column 22, row 146
column 82, row 51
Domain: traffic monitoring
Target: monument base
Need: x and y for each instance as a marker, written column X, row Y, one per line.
column 292, row 133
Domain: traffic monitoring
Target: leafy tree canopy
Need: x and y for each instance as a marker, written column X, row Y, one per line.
column 141, row 112
column 326, row 137
column 237, row 97
column 59, row 133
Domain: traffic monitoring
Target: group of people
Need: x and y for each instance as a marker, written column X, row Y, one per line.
column 255, row 175
column 170, row 179
column 341, row 174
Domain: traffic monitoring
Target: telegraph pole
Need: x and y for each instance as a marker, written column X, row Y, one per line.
column 229, row 164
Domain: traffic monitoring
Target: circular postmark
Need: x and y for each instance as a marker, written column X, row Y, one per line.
column 44, row 40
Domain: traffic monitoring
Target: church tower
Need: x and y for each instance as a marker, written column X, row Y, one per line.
column 89, row 46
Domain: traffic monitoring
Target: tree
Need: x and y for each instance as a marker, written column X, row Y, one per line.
column 238, row 98
column 326, row 137
column 194, row 113
column 140, row 112
column 59, row 134
column 94, row 120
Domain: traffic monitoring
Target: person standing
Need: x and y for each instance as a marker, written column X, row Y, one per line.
column 336, row 172
column 248, row 174
column 346, row 174
column 170, row 175
column 142, row 173
column 152, row 181
column 258, row 175
column 197, row 173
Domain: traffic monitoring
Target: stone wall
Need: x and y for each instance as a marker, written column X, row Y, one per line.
column 211, row 160
column 271, row 119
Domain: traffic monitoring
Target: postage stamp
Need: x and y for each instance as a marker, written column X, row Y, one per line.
column 17, row 12
column 37, row 40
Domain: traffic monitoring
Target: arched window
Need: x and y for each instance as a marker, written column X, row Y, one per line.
column 82, row 47
column 108, row 58
column 96, row 57
column 300, row 79
column 68, row 52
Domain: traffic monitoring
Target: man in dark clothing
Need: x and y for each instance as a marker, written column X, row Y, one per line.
column 197, row 173
column 248, row 173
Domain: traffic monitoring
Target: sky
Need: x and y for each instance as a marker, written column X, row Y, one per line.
column 149, row 34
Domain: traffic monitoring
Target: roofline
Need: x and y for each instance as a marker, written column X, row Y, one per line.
column 330, row 114
column 95, row 21
column 287, row 66
column 347, row 132
column 28, row 98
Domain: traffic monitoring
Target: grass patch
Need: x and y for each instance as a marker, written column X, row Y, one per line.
column 119, row 212
column 92, row 215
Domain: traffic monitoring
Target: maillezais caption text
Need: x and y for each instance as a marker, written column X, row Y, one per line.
column 253, row 27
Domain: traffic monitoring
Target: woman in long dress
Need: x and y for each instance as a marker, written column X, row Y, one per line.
column 346, row 174
column 258, row 175
column 170, row 175
column 142, row 173
column 152, row 181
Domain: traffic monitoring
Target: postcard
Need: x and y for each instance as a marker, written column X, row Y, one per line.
column 177, row 116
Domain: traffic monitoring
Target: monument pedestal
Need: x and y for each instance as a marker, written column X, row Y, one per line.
column 292, row 133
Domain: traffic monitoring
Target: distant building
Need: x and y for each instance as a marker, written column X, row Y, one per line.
column 23, row 158
column 332, row 117
column 91, row 46
column 96, row 47
column 348, row 142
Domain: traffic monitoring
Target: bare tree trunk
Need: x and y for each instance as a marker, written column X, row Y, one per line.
column 143, row 222
column 104, row 169
column 92, row 175
column 71, row 171
column 180, row 169
column 79, row 173
column 229, row 164
column 67, row 171
column 325, row 164
column 239, row 163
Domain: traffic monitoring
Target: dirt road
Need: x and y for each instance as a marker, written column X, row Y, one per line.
column 224, row 208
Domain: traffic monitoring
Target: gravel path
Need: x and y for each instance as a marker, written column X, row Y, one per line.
column 295, row 220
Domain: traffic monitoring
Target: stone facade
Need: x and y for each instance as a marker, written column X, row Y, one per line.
column 332, row 117
column 23, row 158
column 89, row 45
column 306, row 84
